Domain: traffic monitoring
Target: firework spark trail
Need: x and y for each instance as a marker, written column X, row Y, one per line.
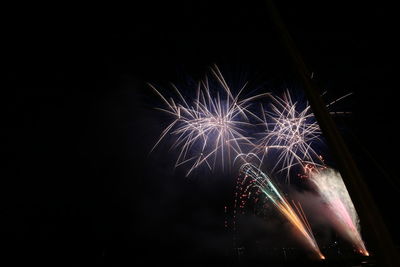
column 209, row 126
column 332, row 189
column 297, row 219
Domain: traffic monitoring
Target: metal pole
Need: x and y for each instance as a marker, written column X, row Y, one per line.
column 370, row 216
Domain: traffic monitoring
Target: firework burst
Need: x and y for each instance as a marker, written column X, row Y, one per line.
column 292, row 130
column 209, row 126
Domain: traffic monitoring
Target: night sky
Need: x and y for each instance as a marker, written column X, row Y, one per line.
column 78, row 185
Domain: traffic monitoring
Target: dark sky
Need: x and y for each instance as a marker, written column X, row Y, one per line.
column 78, row 185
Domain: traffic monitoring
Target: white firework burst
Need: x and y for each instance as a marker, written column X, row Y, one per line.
column 291, row 130
column 211, row 125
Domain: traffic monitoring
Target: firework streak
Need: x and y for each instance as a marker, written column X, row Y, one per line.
column 330, row 186
column 295, row 216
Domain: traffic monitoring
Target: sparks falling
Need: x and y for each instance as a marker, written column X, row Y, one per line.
column 210, row 126
column 295, row 216
column 332, row 189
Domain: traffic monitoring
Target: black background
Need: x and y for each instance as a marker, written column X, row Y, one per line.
column 78, row 185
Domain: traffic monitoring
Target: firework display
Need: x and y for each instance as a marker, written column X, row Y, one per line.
column 218, row 127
